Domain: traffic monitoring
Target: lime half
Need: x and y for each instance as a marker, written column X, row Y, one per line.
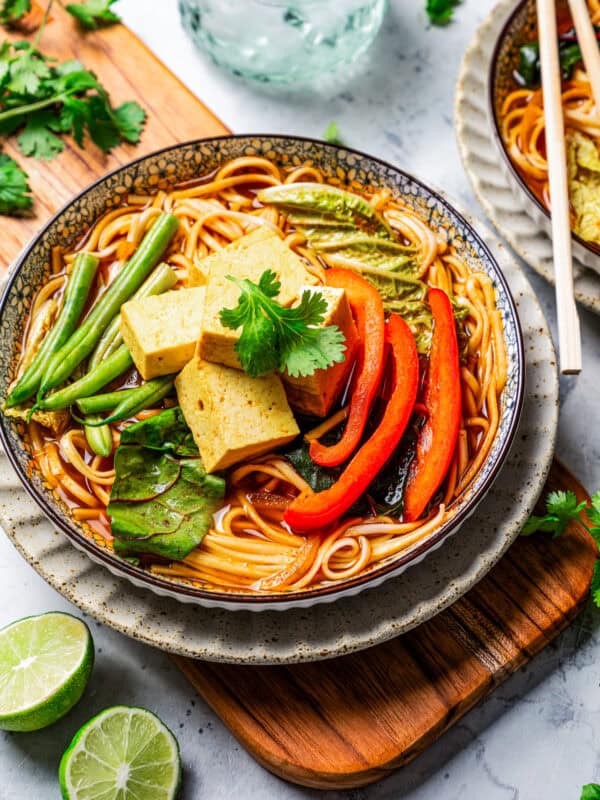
column 124, row 753
column 45, row 663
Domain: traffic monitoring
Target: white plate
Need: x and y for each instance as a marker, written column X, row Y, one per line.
column 322, row 631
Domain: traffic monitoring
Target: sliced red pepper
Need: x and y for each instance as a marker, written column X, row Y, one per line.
column 442, row 399
column 316, row 511
column 367, row 310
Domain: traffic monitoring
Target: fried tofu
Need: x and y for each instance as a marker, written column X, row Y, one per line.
column 231, row 415
column 248, row 257
column 199, row 271
column 316, row 394
column 162, row 331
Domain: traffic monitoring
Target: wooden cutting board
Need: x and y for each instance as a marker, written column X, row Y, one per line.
column 350, row 721
column 129, row 71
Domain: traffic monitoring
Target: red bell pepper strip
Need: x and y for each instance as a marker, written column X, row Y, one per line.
column 367, row 310
column 316, row 511
column 442, row 399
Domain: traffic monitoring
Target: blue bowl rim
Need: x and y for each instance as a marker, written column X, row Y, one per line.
column 375, row 576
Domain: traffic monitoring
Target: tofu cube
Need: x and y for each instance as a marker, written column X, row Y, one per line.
column 162, row 331
column 216, row 342
column 198, row 273
column 316, row 394
column 231, row 415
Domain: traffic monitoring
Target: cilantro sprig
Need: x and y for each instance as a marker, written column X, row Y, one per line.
column 440, row 12
column 332, row 134
column 90, row 14
column 591, row 791
column 561, row 509
column 15, row 194
column 274, row 337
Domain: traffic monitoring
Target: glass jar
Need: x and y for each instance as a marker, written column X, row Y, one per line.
column 283, row 41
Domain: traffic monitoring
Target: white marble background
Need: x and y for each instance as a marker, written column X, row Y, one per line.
column 537, row 735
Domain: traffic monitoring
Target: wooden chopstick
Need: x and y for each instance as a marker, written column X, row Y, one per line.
column 586, row 37
column 569, row 335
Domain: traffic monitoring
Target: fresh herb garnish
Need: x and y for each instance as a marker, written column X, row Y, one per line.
column 561, row 509
column 90, row 14
column 15, row 194
column 591, row 791
column 93, row 14
column 528, row 72
column 332, row 134
column 274, row 337
column 11, row 11
column 440, row 12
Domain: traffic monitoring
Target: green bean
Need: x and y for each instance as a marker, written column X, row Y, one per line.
column 161, row 280
column 90, row 384
column 129, row 279
column 144, row 396
column 78, row 288
column 99, row 438
column 98, row 403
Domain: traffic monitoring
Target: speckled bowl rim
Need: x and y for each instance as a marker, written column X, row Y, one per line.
column 592, row 248
column 329, row 591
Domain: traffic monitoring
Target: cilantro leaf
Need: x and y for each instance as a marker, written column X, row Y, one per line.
column 332, row 134
column 590, row 791
column 275, row 337
column 595, row 586
column 440, row 12
column 11, row 11
column 93, row 14
column 27, row 70
column 37, row 139
column 562, row 508
column 15, row 194
column 129, row 119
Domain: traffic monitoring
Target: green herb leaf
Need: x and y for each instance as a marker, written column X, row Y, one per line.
column 590, row 791
column 562, row 508
column 11, row 11
column 162, row 500
column 440, row 12
column 332, row 134
column 15, row 194
column 37, row 139
column 93, row 14
column 274, row 337
column 129, row 119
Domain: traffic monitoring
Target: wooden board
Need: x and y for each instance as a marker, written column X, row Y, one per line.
column 350, row 721
column 130, row 72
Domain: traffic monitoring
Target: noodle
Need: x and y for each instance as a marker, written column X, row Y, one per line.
column 249, row 548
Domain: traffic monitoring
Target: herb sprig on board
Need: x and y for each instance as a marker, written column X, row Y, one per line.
column 41, row 100
column 561, row 509
column 274, row 337
column 90, row 14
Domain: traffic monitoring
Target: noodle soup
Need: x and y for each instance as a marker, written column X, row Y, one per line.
column 260, row 528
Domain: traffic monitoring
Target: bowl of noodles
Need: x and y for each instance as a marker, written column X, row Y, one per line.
column 517, row 117
column 136, row 417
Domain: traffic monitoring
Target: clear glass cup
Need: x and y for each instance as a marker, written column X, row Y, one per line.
column 283, row 41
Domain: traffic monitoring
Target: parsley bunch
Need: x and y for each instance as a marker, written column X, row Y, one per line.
column 43, row 99
column 561, row 509
column 274, row 337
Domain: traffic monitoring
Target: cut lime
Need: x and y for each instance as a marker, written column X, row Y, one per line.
column 45, row 663
column 124, row 753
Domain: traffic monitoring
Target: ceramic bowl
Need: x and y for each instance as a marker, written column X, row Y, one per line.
column 519, row 28
column 164, row 169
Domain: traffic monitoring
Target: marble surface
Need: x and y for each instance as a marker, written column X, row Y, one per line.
column 536, row 736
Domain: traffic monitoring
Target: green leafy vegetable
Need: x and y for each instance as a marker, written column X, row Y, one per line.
column 561, row 509
column 590, row 791
column 11, row 11
column 274, row 337
column 332, row 134
column 162, row 500
column 440, row 12
column 94, row 13
column 15, row 194
column 528, row 72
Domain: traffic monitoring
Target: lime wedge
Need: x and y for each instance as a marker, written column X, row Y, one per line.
column 124, row 753
column 45, row 663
